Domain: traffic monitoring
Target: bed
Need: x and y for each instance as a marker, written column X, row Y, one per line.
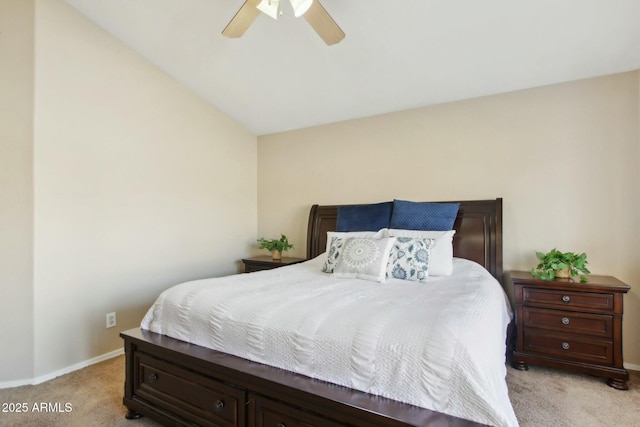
column 179, row 382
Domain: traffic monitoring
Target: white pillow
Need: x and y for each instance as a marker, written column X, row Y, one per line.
column 441, row 259
column 383, row 232
column 335, row 241
column 364, row 258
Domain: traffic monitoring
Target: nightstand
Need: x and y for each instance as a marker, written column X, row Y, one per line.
column 570, row 325
column 265, row 262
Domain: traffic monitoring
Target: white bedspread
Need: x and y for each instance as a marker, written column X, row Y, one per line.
column 438, row 345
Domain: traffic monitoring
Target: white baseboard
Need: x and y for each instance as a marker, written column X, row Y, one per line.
column 632, row 366
column 63, row 371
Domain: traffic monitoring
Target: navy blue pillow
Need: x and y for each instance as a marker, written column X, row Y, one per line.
column 423, row 215
column 370, row 217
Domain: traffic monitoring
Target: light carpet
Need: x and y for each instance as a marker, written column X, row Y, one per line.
column 541, row 397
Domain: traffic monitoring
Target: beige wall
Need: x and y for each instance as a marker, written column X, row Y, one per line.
column 134, row 175
column 137, row 184
column 16, row 189
column 563, row 157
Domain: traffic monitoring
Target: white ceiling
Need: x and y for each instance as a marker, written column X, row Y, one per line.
column 397, row 55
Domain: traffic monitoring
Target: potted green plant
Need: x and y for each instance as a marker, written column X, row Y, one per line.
column 555, row 264
column 275, row 246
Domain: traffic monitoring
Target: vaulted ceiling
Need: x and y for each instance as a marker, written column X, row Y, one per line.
column 397, row 55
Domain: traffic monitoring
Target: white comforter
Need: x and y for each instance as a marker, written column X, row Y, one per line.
column 438, row 345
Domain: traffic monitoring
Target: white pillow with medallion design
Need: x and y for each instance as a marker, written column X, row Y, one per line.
column 364, row 258
column 409, row 259
column 335, row 242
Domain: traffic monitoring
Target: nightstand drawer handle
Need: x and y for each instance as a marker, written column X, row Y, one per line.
column 219, row 405
column 565, row 320
column 565, row 298
column 565, row 346
column 153, row 378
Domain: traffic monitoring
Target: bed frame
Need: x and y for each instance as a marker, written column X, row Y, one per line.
column 177, row 383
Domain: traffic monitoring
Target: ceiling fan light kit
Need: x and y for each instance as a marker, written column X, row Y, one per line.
column 273, row 8
column 315, row 14
column 300, row 7
column 270, row 8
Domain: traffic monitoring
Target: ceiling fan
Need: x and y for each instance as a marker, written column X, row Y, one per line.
column 316, row 15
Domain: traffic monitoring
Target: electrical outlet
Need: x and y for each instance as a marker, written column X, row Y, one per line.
column 111, row 320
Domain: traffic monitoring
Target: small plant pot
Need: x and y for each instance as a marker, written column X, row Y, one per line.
column 563, row 274
column 276, row 255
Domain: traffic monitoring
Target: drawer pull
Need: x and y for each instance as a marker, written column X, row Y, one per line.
column 565, row 345
column 565, row 298
column 281, row 425
column 153, row 378
column 565, row 320
column 219, row 405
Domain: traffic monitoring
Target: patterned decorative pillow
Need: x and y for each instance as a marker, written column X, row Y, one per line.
column 409, row 259
column 334, row 253
column 441, row 254
column 364, row 258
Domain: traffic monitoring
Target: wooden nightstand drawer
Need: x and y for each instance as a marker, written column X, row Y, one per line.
column 194, row 396
column 569, row 347
column 600, row 325
column 567, row 299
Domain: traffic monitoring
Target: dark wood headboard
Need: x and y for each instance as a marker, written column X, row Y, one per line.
column 478, row 232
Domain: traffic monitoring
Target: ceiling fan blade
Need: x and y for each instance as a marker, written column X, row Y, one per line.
column 242, row 20
column 323, row 24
